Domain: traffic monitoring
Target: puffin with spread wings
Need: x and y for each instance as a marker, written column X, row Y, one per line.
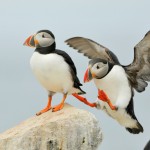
column 115, row 82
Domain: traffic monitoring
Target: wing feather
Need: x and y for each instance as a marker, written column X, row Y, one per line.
column 92, row 49
column 139, row 69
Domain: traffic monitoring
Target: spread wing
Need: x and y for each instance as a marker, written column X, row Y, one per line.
column 139, row 70
column 92, row 49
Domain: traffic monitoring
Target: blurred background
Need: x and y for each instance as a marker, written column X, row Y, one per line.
column 118, row 25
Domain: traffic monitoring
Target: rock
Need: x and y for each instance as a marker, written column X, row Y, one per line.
column 67, row 129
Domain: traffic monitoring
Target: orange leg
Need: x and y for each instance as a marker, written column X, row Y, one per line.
column 47, row 108
column 103, row 96
column 61, row 105
column 84, row 100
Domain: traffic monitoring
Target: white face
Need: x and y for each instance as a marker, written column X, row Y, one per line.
column 44, row 39
column 100, row 69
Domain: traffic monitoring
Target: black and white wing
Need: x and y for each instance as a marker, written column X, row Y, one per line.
column 73, row 70
column 139, row 70
column 92, row 49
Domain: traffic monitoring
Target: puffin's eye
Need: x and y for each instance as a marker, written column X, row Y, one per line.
column 43, row 36
column 97, row 67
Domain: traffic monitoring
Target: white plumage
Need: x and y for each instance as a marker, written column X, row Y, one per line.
column 116, row 80
column 120, row 115
column 52, row 72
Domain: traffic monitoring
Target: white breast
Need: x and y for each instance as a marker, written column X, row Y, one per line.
column 52, row 72
column 115, row 84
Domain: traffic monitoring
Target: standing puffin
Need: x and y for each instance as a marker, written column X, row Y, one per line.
column 115, row 82
column 54, row 69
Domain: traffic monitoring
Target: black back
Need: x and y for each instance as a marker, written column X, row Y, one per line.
column 73, row 70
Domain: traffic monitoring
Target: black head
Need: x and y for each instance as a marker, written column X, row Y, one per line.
column 98, row 68
column 42, row 39
column 97, row 60
column 47, row 31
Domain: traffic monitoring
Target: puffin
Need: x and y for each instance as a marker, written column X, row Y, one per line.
column 54, row 69
column 116, row 83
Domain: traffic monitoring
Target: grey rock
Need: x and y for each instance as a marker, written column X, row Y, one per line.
column 68, row 129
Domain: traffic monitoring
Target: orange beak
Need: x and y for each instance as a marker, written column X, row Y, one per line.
column 30, row 41
column 88, row 76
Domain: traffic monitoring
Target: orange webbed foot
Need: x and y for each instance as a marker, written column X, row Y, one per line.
column 58, row 107
column 47, row 108
column 61, row 105
column 84, row 100
column 43, row 111
column 103, row 96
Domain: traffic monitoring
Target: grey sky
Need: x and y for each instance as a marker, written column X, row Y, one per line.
column 118, row 25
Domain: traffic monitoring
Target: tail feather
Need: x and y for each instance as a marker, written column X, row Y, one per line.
column 78, row 91
column 82, row 92
column 130, row 111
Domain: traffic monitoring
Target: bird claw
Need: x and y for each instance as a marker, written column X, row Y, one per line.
column 43, row 111
column 39, row 113
column 58, row 107
column 98, row 105
column 116, row 108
